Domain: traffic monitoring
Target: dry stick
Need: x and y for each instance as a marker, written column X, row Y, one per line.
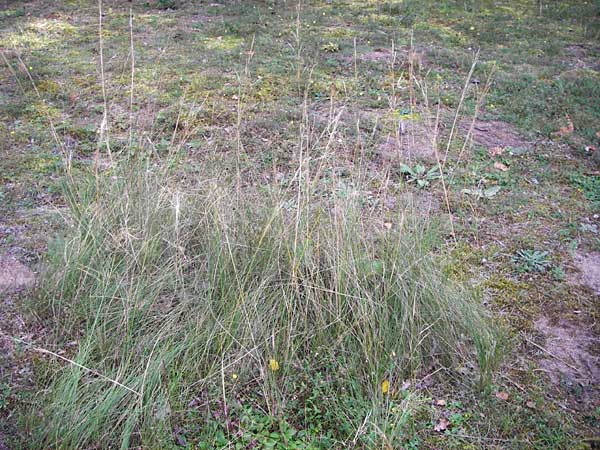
column 468, row 138
column 441, row 170
column 11, row 70
column 361, row 428
column 411, row 87
column 249, row 55
column 43, row 351
column 238, row 138
column 393, row 103
column 131, row 51
column 553, row 355
column 442, row 164
column 459, row 107
column 355, row 62
column 483, row 438
column 223, row 387
column 486, row 89
column 174, row 135
column 513, row 382
column 298, row 42
column 242, row 81
column 104, row 124
column 146, row 370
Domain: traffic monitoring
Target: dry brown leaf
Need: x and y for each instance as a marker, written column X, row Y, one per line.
column 442, row 424
column 530, row 404
column 502, row 395
column 496, row 151
column 567, row 129
column 498, row 165
column 440, row 402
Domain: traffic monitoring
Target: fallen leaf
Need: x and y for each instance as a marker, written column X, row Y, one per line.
column 385, row 387
column 502, row 395
column 590, row 148
column 518, row 151
column 496, row 151
column 442, row 424
column 530, row 404
column 490, row 192
column 440, row 402
column 498, row 165
column 273, row 365
column 566, row 130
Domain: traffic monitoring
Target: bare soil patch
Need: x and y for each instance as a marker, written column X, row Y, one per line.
column 14, row 276
column 571, row 356
column 580, row 57
column 415, row 144
column 378, row 54
column 494, row 133
column 589, row 271
column 423, row 204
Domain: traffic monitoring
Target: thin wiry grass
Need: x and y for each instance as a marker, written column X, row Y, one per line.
column 168, row 287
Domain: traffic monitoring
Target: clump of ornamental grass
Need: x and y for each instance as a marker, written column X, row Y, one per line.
column 167, row 291
column 206, row 312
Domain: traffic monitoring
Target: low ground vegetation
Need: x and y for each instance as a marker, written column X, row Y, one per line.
column 299, row 225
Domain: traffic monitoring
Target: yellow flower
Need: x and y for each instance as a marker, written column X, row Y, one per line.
column 385, row 387
column 273, row 365
column 234, row 376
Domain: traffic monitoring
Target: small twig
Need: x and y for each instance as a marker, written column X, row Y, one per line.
column 132, row 52
column 513, row 382
column 76, row 364
column 482, row 438
column 553, row 355
column 361, row 428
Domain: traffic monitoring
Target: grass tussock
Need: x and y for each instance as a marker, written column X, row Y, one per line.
column 174, row 293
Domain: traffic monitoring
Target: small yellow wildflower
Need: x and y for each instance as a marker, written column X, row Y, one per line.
column 385, row 387
column 273, row 365
column 234, row 376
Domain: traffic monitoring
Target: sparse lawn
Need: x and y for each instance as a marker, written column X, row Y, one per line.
column 313, row 225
